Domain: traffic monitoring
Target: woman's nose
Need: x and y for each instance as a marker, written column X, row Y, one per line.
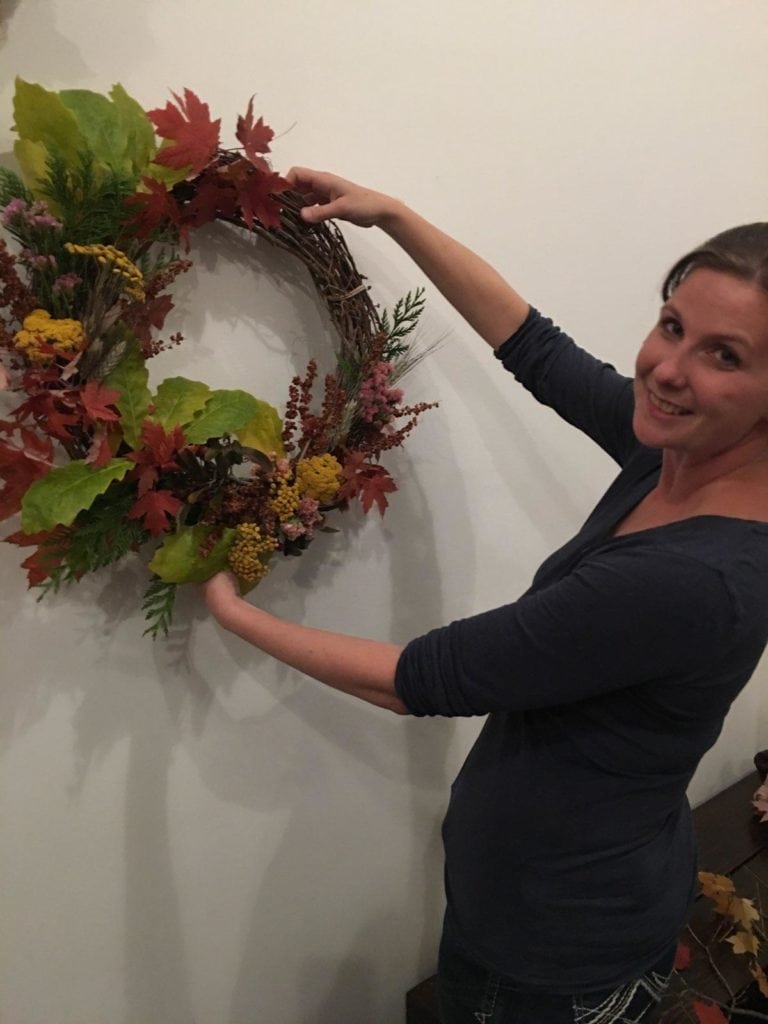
column 671, row 371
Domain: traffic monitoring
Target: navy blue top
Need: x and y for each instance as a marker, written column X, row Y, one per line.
column 570, row 862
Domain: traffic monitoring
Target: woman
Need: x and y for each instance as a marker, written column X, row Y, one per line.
column 570, row 862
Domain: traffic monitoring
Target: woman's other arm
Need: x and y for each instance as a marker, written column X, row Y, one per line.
column 472, row 286
column 359, row 667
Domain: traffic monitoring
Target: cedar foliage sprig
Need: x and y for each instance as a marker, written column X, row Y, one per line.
column 100, row 536
column 159, row 599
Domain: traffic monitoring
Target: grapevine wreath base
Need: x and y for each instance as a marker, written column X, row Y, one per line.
column 97, row 463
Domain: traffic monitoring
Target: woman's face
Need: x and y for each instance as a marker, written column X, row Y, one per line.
column 701, row 376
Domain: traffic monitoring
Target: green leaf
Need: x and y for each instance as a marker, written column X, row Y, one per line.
column 41, row 117
column 225, row 412
column 130, row 376
column 178, row 558
column 118, row 132
column 178, row 400
column 98, row 124
column 264, row 431
column 140, row 135
column 58, row 497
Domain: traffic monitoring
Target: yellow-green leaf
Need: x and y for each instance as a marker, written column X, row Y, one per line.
column 58, row 497
column 32, row 158
column 264, row 431
column 41, row 116
column 225, row 412
column 178, row 400
column 130, row 377
column 178, row 559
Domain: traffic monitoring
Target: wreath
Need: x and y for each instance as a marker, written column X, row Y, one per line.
column 97, row 463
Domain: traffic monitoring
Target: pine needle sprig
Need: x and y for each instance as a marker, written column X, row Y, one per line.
column 157, row 606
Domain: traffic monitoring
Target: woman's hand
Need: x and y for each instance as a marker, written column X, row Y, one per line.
column 331, row 196
column 222, row 594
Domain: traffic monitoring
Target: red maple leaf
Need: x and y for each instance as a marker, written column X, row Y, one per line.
column 19, row 468
column 154, row 508
column 682, row 956
column 367, row 481
column 55, row 410
column 254, row 137
column 147, row 315
column 214, row 197
column 189, row 126
column 708, row 1013
column 157, row 453
column 255, row 191
column 152, row 210
column 49, row 555
column 98, row 402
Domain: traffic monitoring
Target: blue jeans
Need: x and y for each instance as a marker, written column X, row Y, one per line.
column 469, row 993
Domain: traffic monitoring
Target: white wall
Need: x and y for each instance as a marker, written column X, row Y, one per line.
column 191, row 833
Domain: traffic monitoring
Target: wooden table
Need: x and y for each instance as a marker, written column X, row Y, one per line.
column 731, row 842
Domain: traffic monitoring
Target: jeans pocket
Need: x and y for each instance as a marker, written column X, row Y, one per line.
column 625, row 1004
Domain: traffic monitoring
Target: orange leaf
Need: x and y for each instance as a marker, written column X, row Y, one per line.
column 759, row 975
column 682, row 956
column 708, row 1013
column 743, row 912
column 744, row 942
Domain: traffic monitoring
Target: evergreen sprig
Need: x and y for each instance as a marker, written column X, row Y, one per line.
column 89, row 199
column 405, row 317
column 12, row 187
column 102, row 534
column 157, row 606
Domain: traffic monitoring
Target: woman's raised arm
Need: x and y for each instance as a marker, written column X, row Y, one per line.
column 472, row 286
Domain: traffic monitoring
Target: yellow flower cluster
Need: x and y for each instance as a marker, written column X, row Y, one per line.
column 66, row 336
column 285, row 497
column 319, row 477
column 132, row 278
column 246, row 554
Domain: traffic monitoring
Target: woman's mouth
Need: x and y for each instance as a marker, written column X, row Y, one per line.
column 669, row 408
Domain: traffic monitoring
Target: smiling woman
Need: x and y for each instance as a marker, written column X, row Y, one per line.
column 606, row 682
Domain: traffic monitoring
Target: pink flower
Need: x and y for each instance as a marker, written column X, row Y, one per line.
column 40, row 216
column 377, row 399
column 12, row 210
column 67, row 282
column 293, row 530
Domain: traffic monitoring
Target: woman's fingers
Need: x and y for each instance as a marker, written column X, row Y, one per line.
column 329, row 196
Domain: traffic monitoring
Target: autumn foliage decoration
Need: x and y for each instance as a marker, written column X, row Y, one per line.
column 736, row 930
column 97, row 462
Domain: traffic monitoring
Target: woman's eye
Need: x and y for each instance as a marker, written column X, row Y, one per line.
column 727, row 357
column 671, row 326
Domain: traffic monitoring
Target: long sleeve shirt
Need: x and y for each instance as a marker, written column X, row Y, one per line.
column 570, row 862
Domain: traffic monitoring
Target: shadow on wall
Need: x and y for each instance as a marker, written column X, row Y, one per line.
column 70, row 65
column 171, row 704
